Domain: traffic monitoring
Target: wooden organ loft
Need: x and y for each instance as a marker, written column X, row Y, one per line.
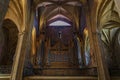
column 60, row 56
column 59, row 40
column 59, row 60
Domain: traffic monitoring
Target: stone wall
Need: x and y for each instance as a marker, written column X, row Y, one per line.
column 1, row 42
column 3, row 8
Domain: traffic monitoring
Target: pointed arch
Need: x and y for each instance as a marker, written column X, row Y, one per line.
column 9, row 42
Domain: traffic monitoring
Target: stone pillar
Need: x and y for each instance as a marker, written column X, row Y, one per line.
column 79, row 52
column 19, row 58
column 41, row 49
column 71, row 52
column 47, row 47
column 103, row 73
column 82, row 51
column 23, row 45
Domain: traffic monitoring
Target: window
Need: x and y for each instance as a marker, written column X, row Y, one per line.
column 59, row 23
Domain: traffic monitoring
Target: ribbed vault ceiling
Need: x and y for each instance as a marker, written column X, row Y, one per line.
column 48, row 9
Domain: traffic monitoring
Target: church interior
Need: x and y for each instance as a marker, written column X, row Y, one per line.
column 59, row 40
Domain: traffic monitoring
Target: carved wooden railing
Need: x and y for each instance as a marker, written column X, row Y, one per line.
column 72, row 71
column 5, row 72
column 5, row 76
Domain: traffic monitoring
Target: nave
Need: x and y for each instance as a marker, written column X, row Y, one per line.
column 59, row 40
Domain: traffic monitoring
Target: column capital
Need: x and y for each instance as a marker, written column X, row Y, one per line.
column 21, row 33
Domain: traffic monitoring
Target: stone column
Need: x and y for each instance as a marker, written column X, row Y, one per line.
column 41, row 49
column 71, row 52
column 82, row 51
column 103, row 73
column 47, row 47
column 19, row 58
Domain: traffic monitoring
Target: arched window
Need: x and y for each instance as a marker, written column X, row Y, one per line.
column 59, row 23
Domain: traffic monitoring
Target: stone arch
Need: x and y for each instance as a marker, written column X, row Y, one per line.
column 9, row 38
column 15, row 21
column 16, row 15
